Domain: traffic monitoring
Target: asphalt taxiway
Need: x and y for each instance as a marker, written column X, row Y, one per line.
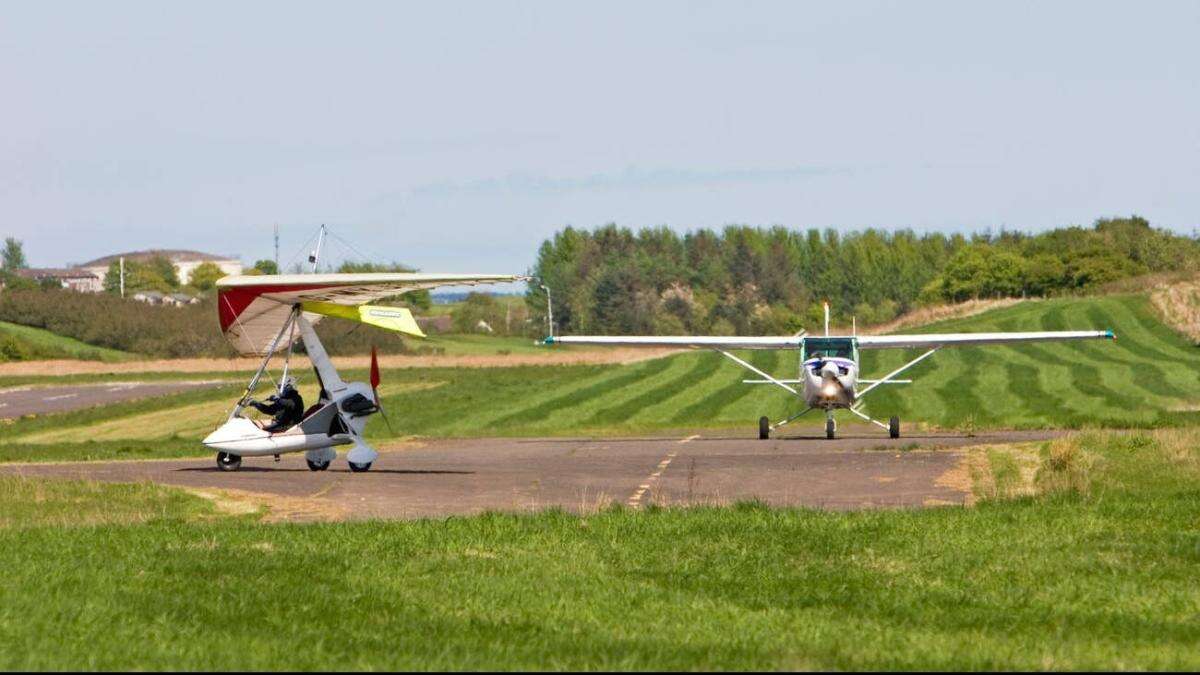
column 461, row 477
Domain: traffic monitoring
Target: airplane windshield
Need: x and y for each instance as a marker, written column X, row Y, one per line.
column 829, row 347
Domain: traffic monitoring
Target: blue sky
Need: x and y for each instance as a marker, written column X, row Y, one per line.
column 457, row 136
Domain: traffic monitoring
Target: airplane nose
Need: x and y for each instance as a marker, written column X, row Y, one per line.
column 830, row 369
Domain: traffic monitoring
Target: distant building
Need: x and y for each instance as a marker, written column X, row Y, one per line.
column 184, row 262
column 149, row 297
column 180, row 299
column 75, row 279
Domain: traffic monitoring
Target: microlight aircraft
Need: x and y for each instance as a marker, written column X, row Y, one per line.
column 829, row 364
column 267, row 314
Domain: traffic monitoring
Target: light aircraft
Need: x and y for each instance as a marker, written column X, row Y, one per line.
column 266, row 314
column 829, row 364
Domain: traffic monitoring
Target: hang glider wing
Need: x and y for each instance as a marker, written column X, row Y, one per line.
column 253, row 309
column 968, row 339
column 695, row 341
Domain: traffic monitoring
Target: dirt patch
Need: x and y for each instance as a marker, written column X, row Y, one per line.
column 928, row 315
column 957, row 478
column 275, row 508
column 1178, row 304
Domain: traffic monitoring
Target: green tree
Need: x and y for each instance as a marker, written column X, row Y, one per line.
column 205, row 276
column 14, row 255
column 478, row 307
column 414, row 299
column 140, row 276
column 265, row 267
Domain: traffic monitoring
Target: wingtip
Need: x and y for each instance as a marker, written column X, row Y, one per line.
column 1111, row 335
column 548, row 340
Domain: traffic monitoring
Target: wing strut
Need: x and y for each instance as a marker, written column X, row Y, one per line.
column 287, row 326
column 748, row 366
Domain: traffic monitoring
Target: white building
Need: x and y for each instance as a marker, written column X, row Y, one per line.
column 76, row 279
column 184, row 262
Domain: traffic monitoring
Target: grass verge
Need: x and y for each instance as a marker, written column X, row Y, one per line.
column 1092, row 569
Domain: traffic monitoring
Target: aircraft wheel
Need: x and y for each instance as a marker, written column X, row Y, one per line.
column 830, row 428
column 228, row 462
column 764, row 428
column 359, row 468
column 894, row 427
column 316, row 466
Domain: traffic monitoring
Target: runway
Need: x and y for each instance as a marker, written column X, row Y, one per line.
column 461, row 477
column 37, row 400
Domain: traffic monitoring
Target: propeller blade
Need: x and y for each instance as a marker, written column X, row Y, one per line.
column 375, row 380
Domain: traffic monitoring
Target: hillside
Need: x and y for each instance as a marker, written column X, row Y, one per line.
column 24, row 343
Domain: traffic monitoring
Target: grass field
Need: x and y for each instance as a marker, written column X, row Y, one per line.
column 42, row 343
column 1149, row 377
column 1093, row 570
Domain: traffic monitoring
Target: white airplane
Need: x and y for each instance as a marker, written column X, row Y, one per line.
column 266, row 314
column 829, row 365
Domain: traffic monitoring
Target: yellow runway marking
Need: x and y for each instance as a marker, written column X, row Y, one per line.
column 635, row 500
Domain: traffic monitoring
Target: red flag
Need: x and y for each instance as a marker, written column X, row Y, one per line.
column 374, row 369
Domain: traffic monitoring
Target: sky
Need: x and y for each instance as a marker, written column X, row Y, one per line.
column 457, row 136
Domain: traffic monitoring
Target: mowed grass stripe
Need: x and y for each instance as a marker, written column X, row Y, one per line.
column 624, row 376
column 1144, row 328
column 706, row 375
column 713, row 404
column 1076, row 375
column 1142, row 370
column 1128, row 373
column 958, row 394
column 620, row 404
column 1144, row 345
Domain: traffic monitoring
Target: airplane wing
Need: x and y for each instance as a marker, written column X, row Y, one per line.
column 696, row 341
column 253, row 309
column 864, row 341
column 967, row 339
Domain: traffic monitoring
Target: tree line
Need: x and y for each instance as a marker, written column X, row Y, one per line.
column 748, row 280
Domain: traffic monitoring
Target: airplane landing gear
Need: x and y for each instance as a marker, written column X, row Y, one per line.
column 316, row 466
column 228, row 462
column 359, row 468
column 894, row 427
column 764, row 428
column 830, row 428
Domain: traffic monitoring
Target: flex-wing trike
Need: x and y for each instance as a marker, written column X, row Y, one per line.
column 267, row 314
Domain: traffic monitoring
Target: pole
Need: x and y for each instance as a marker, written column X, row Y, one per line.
column 549, row 311
column 276, row 246
column 122, row 276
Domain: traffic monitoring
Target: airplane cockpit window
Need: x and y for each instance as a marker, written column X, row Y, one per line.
column 823, row 348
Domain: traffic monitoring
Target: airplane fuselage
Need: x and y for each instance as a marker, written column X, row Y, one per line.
column 829, row 383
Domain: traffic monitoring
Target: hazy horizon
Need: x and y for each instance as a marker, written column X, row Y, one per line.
column 456, row 137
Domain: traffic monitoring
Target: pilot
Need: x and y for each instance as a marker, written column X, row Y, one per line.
column 287, row 407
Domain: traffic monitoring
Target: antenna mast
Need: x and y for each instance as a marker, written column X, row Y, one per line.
column 276, row 247
column 316, row 254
